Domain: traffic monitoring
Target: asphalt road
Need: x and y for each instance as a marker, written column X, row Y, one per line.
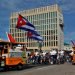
column 63, row 69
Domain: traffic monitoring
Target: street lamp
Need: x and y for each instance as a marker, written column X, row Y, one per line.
column 40, row 46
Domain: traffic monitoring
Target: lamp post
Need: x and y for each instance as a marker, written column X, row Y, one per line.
column 40, row 47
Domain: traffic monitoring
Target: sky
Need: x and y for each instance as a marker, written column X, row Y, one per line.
column 9, row 6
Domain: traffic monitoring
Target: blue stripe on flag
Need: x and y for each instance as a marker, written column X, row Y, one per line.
column 33, row 31
column 29, row 24
column 36, row 37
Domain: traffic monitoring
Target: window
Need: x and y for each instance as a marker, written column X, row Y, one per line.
column 51, row 15
column 51, row 43
column 56, row 43
column 16, row 54
column 56, row 37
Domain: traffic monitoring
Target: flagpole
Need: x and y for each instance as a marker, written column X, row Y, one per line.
column 7, row 36
column 40, row 46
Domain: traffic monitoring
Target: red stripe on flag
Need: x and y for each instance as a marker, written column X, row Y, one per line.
column 29, row 34
column 20, row 21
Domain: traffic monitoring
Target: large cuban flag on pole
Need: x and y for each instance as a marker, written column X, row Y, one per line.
column 24, row 24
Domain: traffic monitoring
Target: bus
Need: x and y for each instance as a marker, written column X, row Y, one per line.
column 12, row 54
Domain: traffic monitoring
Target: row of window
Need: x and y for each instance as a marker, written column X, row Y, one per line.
column 41, row 32
column 44, row 21
column 48, row 32
column 42, row 16
column 50, row 43
column 45, row 27
column 45, row 44
column 47, row 22
column 49, row 15
column 13, row 30
column 20, row 39
column 53, row 37
column 41, row 29
column 38, row 27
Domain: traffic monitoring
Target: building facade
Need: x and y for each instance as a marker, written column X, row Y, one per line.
column 48, row 21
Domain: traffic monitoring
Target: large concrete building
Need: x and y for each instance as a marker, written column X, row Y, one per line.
column 48, row 21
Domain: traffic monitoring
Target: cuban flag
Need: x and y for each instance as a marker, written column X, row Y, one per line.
column 24, row 24
column 34, row 36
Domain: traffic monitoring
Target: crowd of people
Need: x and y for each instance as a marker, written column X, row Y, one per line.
column 52, row 57
column 48, row 57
